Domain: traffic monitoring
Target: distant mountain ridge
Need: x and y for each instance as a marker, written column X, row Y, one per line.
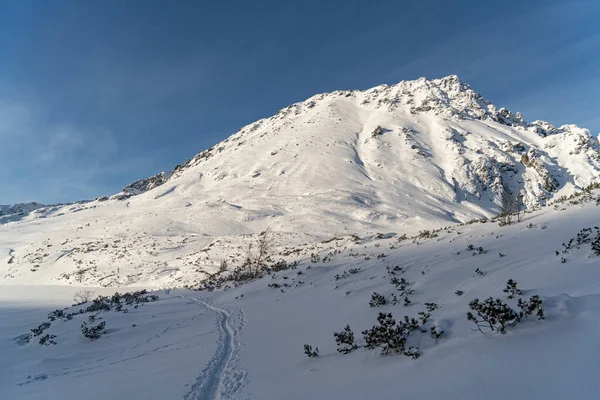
column 19, row 208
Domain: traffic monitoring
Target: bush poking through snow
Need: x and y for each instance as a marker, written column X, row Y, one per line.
column 222, row 267
column 402, row 285
column 345, row 340
column 40, row 329
column 426, row 235
column 394, row 270
column 512, row 289
column 346, row 274
column 83, row 296
column 98, row 304
column 584, row 236
column 309, row 351
column 497, row 315
column 533, row 305
column 596, row 245
column 424, row 317
column 116, row 302
column 493, row 314
column 377, row 300
column 435, row 333
column 391, row 336
column 59, row 313
column 93, row 332
column 47, row 340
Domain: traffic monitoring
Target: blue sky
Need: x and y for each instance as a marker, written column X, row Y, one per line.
column 96, row 94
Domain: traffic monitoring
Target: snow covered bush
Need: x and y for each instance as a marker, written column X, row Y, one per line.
column 512, row 289
column 394, row 270
column 117, row 302
column 239, row 274
column 377, row 300
column 345, row 340
column 435, row 332
column 426, row 234
column 402, row 285
column 40, row 329
column 497, row 315
column 493, row 314
column 533, row 305
column 310, row 353
column 584, row 236
column 596, row 245
column 99, row 304
column 56, row 314
column 424, row 317
column 346, row 274
column 93, row 332
column 390, row 335
column 47, row 340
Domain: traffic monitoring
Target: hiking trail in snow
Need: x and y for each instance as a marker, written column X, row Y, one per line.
column 221, row 378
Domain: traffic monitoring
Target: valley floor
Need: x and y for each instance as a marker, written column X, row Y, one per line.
column 246, row 342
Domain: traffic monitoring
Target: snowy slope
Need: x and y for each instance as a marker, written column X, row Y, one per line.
column 417, row 155
column 353, row 186
column 20, row 208
column 246, row 342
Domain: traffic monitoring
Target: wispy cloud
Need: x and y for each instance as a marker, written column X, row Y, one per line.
column 45, row 161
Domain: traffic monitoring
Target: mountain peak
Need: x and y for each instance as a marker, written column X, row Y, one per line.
column 417, row 150
column 421, row 151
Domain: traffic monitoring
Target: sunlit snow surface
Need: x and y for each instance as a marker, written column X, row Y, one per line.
column 222, row 345
column 337, row 179
column 417, row 155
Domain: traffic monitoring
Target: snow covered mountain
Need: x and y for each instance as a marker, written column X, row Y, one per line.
column 433, row 150
column 20, row 208
column 416, row 155
column 372, row 202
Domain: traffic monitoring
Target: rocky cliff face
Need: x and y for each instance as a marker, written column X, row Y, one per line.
column 143, row 185
column 21, row 208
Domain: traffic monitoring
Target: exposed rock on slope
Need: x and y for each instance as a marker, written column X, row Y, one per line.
column 21, row 208
column 437, row 144
column 413, row 156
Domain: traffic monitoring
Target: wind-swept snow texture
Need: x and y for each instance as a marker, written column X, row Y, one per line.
column 220, row 379
column 416, row 155
column 151, row 352
column 246, row 342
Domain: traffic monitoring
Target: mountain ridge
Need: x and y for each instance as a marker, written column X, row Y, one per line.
column 448, row 97
column 392, row 160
